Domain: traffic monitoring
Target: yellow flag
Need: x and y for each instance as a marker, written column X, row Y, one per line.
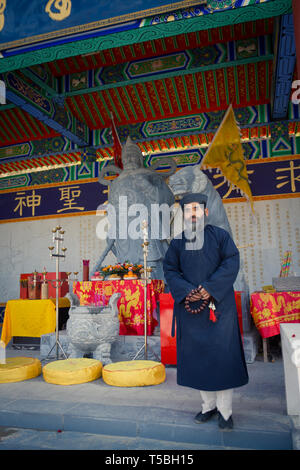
column 226, row 153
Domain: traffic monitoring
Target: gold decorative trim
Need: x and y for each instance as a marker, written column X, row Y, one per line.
column 102, row 23
column 52, row 216
column 49, row 185
column 263, row 198
column 93, row 180
column 75, row 214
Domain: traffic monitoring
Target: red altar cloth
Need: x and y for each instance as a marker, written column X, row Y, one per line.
column 167, row 343
column 130, row 304
column 270, row 309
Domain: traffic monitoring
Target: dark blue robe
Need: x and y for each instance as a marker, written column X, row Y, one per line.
column 210, row 355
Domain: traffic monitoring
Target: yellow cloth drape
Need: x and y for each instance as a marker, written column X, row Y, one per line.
column 63, row 302
column 31, row 318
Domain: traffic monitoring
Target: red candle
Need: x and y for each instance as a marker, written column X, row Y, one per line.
column 85, row 270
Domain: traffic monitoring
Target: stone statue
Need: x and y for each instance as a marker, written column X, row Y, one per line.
column 130, row 198
column 192, row 179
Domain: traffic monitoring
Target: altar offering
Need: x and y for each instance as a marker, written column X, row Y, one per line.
column 23, row 289
column 44, row 287
column 34, row 286
column 97, row 276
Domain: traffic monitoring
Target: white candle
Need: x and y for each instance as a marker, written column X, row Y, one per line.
column 145, row 231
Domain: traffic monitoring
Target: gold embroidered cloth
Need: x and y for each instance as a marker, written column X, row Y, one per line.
column 270, row 309
column 130, row 304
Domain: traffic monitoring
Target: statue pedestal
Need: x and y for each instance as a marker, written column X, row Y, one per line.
column 124, row 348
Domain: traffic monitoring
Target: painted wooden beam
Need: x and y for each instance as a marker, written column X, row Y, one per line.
column 46, row 110
column 285, row 60
column 250, row 12
column 296, row 16
column 164, row 75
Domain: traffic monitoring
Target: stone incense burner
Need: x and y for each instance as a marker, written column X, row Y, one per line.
column 92, row 330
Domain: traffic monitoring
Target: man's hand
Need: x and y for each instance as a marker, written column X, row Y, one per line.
column 204, row 294
column 195, row 297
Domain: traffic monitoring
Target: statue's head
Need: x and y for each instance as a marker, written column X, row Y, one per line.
column 132, row 157
column 188, row 179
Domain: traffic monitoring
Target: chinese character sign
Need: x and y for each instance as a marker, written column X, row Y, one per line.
column 272, row 177
column 58, row 9
column 69, row 196
column 28, row 200
column 2, row 8
column 289, row 175
column 20, row 19
column 67, row 199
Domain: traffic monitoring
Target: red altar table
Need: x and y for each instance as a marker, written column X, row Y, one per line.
column 130, row 304
column 167, row 343
column 270, row 309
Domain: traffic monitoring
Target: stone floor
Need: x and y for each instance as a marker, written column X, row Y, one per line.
column 37, row 415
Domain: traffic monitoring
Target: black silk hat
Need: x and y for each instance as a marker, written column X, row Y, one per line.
column 193, row 197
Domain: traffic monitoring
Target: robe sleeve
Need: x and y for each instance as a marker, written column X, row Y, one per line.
column 222, row 280
column 178, row 286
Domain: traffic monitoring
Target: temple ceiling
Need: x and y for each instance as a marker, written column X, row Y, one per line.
column 168, row 92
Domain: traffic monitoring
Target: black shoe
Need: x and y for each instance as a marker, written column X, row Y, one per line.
column 225, row 425
column 203, row 417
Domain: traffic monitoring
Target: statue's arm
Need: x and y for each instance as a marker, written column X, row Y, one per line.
column 168, row 161
column 107, row 249
column 108, row 168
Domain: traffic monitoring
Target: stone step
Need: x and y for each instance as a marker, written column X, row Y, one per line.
column 32, row 439
column 140, row 424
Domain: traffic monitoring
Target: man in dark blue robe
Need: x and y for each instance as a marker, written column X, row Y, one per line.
column 210, row 355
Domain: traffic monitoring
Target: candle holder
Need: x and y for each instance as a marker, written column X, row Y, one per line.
column 57, row 252
column 44, row 286
column 146, row 278
column 71, row 280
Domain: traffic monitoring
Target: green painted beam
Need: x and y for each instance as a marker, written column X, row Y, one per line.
column 148, row 33
column 178, row 73
column 44, row 86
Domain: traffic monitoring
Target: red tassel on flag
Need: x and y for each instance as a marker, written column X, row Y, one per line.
column 117, row 145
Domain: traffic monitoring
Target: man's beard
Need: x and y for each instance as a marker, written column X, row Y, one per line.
column 195, row 224
column 194, row 232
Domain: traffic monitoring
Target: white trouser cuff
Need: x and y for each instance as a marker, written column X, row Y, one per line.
column 209, row 400
column 224, row 402
column 221, row 399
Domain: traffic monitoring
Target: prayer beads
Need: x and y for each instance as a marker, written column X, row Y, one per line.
column 204, row 304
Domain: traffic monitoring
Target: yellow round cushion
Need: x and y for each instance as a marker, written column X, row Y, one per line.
column 17, row 369
column 72, row 371
column 134, row 373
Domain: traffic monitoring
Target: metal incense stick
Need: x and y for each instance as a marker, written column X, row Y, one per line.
column 58, row 239
column 146, row 280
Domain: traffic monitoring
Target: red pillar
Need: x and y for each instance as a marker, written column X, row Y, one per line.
column 296, row 15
